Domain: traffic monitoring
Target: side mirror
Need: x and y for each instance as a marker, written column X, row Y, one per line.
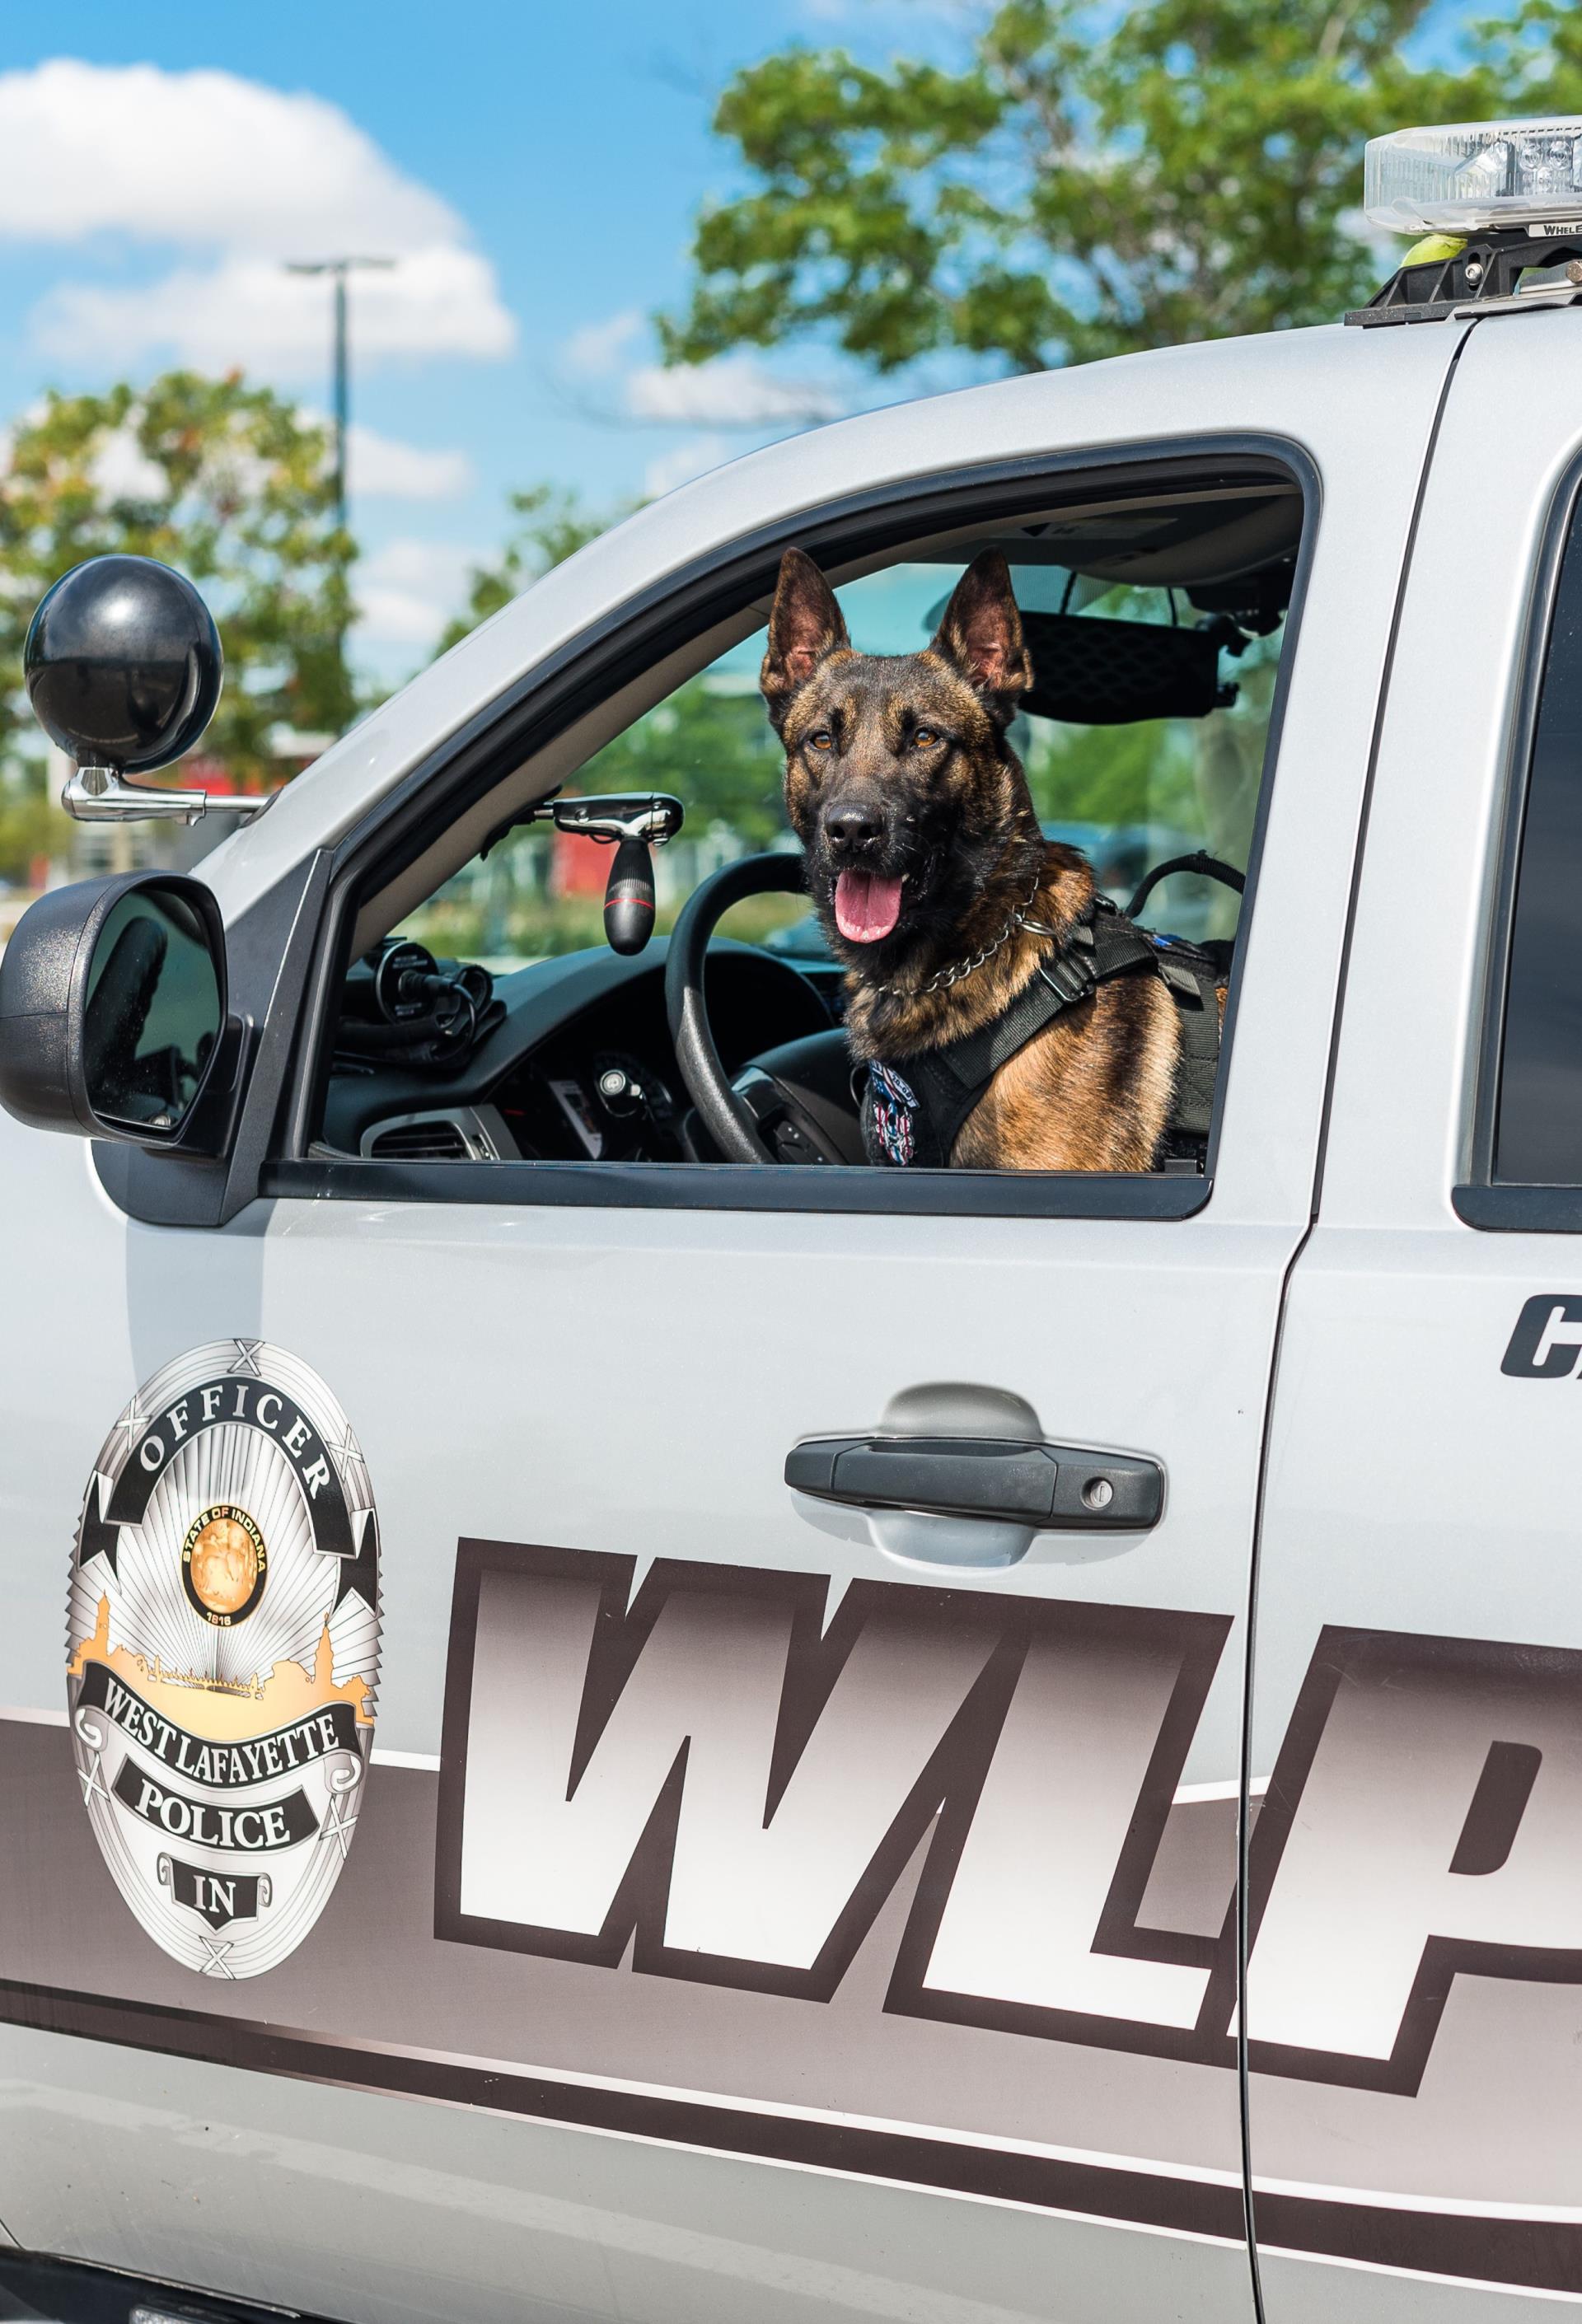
column 112, row 1018
column 124, row 668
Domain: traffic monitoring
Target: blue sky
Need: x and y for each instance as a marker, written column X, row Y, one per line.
column 536, row 167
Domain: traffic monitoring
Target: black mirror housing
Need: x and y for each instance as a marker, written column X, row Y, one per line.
column 122, row 664
column 113, row 1011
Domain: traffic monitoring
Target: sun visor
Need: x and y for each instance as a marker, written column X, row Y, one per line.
column 1172, row 547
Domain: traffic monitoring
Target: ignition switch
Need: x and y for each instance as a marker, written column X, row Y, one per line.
column 619, row 1094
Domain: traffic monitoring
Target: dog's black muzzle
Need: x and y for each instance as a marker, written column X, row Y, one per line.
column 858, row 833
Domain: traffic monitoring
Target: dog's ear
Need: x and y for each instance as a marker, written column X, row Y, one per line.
column 981, row 635
column 805, row 623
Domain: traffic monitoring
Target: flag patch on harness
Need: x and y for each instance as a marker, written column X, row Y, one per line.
column 894, row 1104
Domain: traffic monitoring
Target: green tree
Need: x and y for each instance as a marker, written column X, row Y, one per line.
column 1085, row 182
column 550, row 527
column 225, row 481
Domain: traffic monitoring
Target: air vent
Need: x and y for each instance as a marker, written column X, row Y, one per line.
column 459, row 1133
column 435, row 1138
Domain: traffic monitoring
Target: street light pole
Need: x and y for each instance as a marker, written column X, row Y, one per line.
column 342, row 395
column 338, row 269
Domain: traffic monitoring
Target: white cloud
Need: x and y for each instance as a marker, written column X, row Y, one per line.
column 408, row 590
column 121, row 470
column 731, row 391
column 680, row 466
column 197, row 158
column 249, row 311
column 243, row 178
column 382, row 467
column 597, row 347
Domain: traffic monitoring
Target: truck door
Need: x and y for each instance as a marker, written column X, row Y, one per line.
column 736, row 1874
column 1414, row 2009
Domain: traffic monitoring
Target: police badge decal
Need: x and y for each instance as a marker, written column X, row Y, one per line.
column 222, row 1627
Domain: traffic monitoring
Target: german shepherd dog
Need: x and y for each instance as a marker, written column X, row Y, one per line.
column 923, row 849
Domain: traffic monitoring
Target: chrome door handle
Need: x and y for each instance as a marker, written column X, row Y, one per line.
column 1048, row 1487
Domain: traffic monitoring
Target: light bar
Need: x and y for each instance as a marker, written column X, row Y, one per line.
column 1474, row 175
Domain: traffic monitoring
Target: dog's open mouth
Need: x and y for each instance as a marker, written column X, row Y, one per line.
column 867, row 905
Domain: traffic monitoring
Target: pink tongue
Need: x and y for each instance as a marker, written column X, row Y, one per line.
column 866, row 907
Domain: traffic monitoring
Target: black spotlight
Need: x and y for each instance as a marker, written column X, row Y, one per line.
column 122, row 664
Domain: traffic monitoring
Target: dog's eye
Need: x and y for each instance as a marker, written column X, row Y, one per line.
column 821, row 739
column 924, row 738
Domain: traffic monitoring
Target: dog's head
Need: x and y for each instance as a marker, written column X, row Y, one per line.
column 898, row 780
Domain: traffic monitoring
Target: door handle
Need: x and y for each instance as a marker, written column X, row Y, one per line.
column 1048, row 1487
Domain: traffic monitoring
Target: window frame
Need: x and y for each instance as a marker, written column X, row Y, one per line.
column 295, row 940
column 1481, row 1201
column 628, row 640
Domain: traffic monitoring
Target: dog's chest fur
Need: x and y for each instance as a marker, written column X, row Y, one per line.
column 1095, row 1091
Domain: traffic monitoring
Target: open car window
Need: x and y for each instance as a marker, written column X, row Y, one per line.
column 1131, row 794
column 488, row 1020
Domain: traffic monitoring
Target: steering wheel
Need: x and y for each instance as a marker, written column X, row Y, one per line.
column 794, row 1105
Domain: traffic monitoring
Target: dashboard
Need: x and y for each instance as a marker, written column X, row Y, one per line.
column 567, row 1060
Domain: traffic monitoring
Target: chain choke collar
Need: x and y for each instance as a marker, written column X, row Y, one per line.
column 944, row 978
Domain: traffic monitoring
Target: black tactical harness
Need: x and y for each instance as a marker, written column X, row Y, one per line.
column 914, row 1107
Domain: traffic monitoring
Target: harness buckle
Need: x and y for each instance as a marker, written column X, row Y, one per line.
column 1179, row 977
column 1072, row 978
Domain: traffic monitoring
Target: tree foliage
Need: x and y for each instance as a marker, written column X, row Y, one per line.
column 1088, row 180
column 549, row 526
column 227, row 482
column 33, row 829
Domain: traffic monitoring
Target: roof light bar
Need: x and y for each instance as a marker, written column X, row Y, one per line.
column 1473, row 176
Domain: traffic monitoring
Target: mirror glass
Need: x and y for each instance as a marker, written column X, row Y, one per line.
column 153, row 1010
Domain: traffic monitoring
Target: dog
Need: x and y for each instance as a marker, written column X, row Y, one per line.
column 936, row 887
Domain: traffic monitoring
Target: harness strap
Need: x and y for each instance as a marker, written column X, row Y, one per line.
column 912, row 1112
column 1117, row 945
column 1194, row 991
column 950, row 1080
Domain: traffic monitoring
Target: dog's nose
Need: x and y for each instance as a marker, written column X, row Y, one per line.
column 853, row 826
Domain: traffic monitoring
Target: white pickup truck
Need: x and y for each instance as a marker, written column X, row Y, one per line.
column 582, row 1779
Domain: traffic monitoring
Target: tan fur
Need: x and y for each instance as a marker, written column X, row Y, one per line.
column 1054, row 1107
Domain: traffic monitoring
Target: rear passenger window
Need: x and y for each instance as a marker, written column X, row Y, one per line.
column 1537, row 1128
